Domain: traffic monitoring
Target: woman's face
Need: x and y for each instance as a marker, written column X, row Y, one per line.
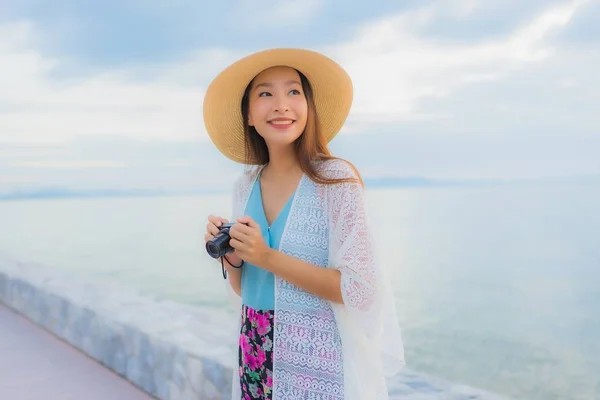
column 277, row 106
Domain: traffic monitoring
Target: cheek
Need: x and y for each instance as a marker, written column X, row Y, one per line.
column 302, row 114
column 301, row 109
column 257, row 110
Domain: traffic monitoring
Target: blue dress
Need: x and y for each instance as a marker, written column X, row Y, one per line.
column 258, row 285
column 258, row 304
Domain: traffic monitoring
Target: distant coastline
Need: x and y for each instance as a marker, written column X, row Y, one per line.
column 370, row 183
column 70, row 193
column 58, row 193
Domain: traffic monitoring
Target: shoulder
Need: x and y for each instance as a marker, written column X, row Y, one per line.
column 247, row 175
column 337, row 168
column 246, row 178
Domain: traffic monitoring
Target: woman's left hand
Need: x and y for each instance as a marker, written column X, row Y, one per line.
column 247, row 241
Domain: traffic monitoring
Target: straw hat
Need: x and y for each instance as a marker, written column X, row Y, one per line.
column 332, row 89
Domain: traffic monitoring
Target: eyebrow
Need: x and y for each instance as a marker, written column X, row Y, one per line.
column 268, row 84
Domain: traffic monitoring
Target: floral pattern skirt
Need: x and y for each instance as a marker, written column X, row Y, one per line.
column 256, row 354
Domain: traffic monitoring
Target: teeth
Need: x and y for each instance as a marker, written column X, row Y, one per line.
column 282, row 122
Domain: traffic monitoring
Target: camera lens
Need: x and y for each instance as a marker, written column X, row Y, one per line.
column 219, row 245
column 212, row 249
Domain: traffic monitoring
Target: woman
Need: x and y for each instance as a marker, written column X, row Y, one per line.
column 317, row 319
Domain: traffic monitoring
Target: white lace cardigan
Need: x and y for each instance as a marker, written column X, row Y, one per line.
column 321, row 349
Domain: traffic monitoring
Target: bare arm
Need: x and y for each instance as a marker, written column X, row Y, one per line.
column 249, row 245
column 320, row 281
column 234, row 275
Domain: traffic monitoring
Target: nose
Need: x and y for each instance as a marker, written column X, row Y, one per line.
column 281, row 104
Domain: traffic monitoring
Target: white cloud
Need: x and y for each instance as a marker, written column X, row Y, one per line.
column 404, row 79
column 266, row 15
column 35, row 107
column 395, row 69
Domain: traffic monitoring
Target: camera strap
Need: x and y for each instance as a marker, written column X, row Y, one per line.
column 229, row 262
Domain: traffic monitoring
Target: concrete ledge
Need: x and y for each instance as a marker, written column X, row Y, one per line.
column 163, row 347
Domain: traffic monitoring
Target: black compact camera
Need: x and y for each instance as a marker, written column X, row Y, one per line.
column 219, row 245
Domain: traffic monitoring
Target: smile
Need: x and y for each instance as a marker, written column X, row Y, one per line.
column 281, row 123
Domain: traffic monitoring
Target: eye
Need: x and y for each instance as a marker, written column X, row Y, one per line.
column 263, row 94
column 294, row 91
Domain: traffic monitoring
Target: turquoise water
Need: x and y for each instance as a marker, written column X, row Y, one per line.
column 497, row 287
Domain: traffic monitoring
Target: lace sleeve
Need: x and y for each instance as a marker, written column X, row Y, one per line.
column 240, row 192
column 351, row 250
column 368, row 298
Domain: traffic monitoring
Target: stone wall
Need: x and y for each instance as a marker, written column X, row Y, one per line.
column 165, row 348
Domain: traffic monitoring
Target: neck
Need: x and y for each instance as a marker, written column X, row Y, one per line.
column 282, row 161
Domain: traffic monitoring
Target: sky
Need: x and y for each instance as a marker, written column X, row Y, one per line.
column 108, row 95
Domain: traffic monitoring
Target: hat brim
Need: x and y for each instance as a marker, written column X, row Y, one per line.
column 332, row 89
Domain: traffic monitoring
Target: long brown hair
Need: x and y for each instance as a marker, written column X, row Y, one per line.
column 310, row 146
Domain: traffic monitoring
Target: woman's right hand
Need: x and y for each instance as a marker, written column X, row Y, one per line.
column 213, row 229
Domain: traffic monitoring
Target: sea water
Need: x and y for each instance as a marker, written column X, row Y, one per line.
column 496, row 286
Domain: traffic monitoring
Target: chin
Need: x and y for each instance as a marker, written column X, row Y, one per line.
column 281, row 143
column 282, row 139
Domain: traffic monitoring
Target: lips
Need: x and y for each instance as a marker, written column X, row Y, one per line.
column 281, row 122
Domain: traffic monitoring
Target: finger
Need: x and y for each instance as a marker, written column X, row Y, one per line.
column 217, row 221
column 237, row 232
column 248, row 222
column 243, row 229
column 236, row 244
column 212, row 229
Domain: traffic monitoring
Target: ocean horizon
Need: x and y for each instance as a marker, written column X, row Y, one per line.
column 57, row 191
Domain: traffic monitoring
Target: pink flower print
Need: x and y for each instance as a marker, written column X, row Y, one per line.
column 269, row 382
column 251, row 315
column 246, row 355
column 244, row 344
column 261, row 357
column 252, row 362
column 262, row 324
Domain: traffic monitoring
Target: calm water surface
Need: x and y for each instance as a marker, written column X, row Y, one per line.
column 497, row 287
